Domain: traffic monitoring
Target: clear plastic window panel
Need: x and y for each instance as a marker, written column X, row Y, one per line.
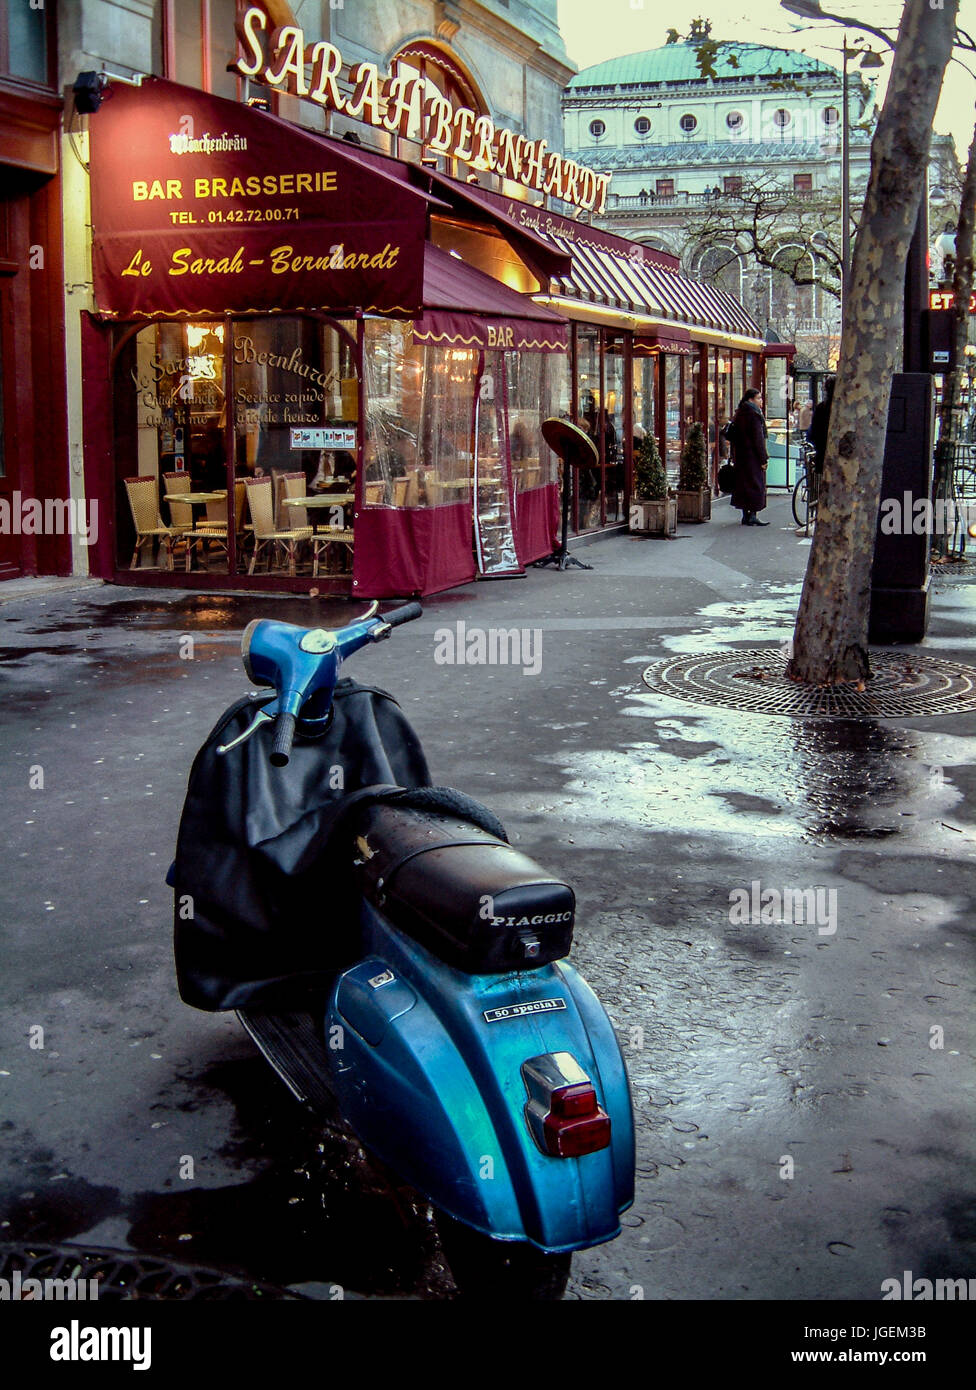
column 419, row 417
column 494, row 534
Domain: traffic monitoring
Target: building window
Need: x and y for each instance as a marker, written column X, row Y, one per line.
column 782, row 118
column 664, row 188
column 26, row 42
column 802, row 183
column 642, row 125
column 597, row 129
column 689, row 123
column 831, row 116
column 732, row 185
column 199, row 42
column 735, row 122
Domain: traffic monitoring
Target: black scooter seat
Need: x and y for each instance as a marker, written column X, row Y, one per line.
column 463, row 893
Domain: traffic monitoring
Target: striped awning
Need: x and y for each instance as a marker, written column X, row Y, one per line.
column 638, row 286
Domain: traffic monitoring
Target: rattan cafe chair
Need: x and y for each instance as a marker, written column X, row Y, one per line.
column 144, row 504
column 259, row 501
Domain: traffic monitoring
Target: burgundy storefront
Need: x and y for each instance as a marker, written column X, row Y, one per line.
column 287, row 379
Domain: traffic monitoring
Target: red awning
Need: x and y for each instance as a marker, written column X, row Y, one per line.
column 467, row 309
column 202, row 205
column 544, row 258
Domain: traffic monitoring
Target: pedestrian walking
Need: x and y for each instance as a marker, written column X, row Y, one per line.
column 750, row 457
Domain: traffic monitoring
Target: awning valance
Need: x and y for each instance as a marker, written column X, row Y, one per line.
column 671, row 339
column 202, row 205
column 464, row 308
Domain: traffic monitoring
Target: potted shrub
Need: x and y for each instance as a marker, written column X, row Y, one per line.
column 653, row 511
column 694, row 493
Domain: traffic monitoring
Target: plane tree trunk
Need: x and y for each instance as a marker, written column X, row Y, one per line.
column 830, row 641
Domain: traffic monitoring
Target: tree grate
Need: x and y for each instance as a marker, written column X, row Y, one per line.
column 120, row 1275
column 755, row 680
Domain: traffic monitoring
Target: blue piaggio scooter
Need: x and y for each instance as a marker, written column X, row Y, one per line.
column 487, row 1075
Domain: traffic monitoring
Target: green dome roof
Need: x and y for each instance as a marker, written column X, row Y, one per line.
column 678, row 62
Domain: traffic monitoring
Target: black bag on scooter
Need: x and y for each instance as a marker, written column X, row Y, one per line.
column 266, row 900
column 262, row 914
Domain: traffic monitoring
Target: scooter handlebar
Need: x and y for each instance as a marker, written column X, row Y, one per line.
column 284, row 735
column 405, row 614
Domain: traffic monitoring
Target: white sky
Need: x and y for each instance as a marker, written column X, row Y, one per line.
column 599, row 29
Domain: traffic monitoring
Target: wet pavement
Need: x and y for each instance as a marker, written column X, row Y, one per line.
column 839, row 1051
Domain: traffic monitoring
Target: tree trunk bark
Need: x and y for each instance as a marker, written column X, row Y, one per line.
column 830, row 642
column 962, row 288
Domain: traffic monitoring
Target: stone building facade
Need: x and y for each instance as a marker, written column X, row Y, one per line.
column 698, row 139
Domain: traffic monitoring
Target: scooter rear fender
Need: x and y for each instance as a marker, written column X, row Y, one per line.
column 435, row 1088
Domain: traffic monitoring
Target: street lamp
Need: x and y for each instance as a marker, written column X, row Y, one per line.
column 810, row 9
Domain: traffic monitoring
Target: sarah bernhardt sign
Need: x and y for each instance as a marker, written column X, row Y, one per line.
column 281, row 58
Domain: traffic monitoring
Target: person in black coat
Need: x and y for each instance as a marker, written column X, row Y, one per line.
column 820, row 423
column 750, row 457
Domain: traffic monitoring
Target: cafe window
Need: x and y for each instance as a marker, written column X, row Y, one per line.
column 587, row 481
column 672, row 413
column 645, row 372
column 614, row 454
column 198, row 41
column 419, row 419
column 203, row 410
column 537, row 384
column 27, row 42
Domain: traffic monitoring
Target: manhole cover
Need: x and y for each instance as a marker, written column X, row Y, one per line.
column 118, row 1274
column 755, row 679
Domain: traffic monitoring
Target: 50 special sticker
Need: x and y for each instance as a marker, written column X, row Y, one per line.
column 537, row 1006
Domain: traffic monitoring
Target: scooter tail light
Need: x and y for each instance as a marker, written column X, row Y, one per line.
column 570, row 1101
column 563, row 1113
column 573, row 1138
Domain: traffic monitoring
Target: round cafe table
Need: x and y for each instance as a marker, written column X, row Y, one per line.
column 316, row 500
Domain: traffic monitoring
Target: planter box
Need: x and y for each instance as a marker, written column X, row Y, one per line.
column 695, row 506
column 654, row 518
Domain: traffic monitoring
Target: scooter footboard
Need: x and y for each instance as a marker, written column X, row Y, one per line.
column 473, row 1087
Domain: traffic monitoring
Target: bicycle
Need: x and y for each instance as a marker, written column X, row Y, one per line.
column 806, row 491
